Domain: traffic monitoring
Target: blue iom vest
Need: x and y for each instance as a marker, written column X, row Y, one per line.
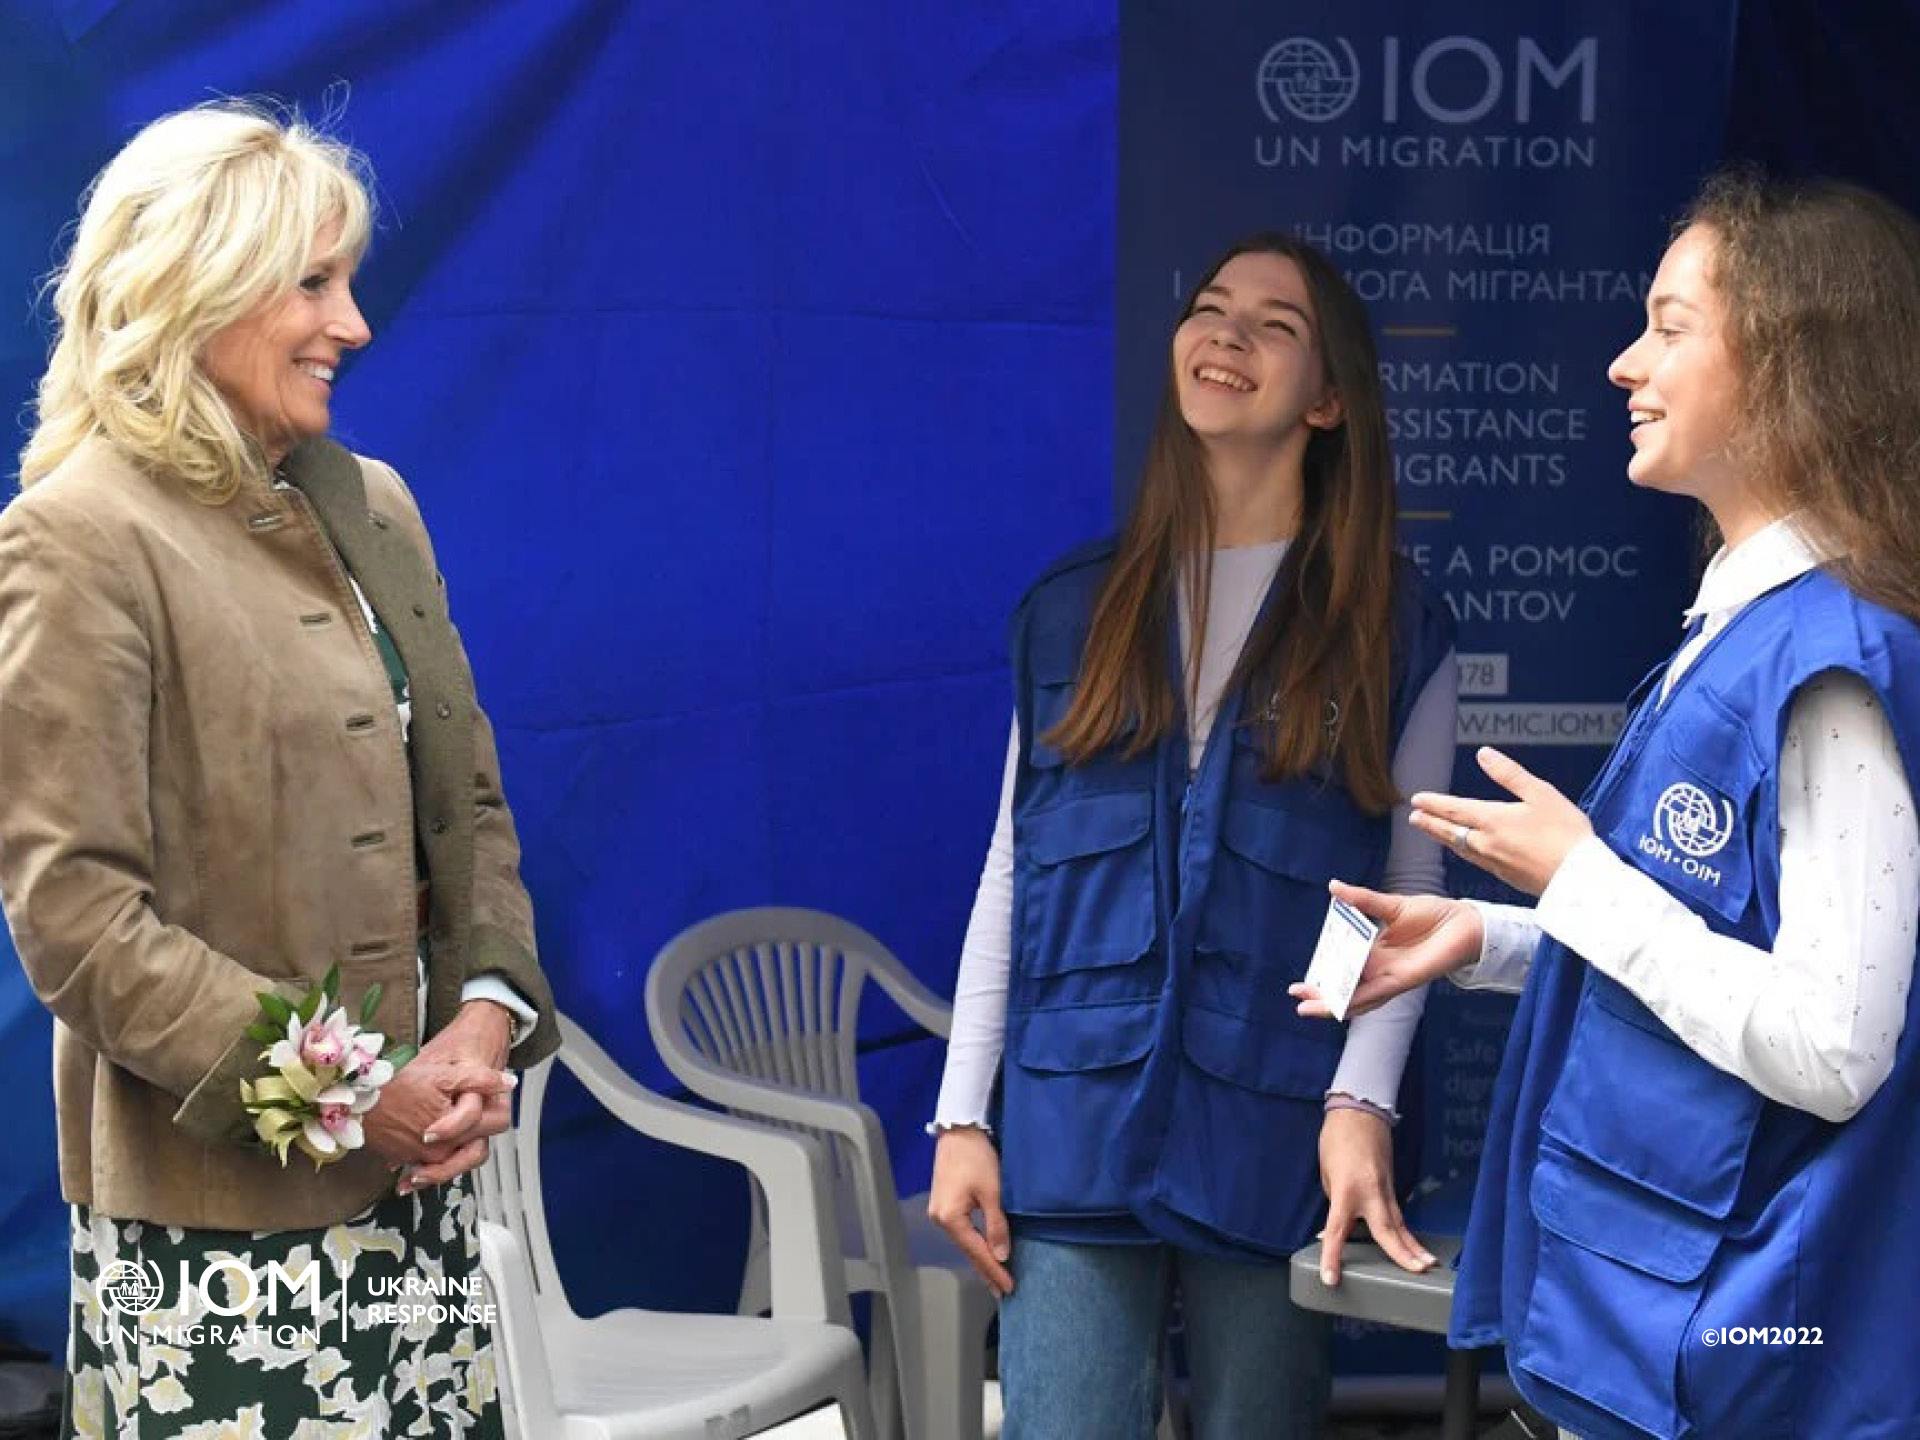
column 1633, row 1197
column 1155, row 1072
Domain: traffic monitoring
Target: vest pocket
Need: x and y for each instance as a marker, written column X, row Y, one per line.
column 1065, row 1092
column 1618, row 1280
column 1294, row 841
column 1269, row 1056
column 1269, row 887
column 1244, row 1120
column 1643, row 1153
column 1073, row 1038
column 1054, row 661
column 1050, row 703
column 1628, row 1082
column 1689, row 821
column 1085, row 877
column 1598, row 1211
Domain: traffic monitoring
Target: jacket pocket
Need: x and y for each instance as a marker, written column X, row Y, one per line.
column 1618, row 1279
column 1627, row 1083
column 1268, row 891
column 1691, row 823
column 1066, row 1092
column 1084, row 873
column 1268, row 1056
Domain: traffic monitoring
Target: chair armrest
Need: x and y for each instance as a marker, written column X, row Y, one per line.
column 881, row 1225
column 809, row 1280
column 923, row 1007
column 851, row 1120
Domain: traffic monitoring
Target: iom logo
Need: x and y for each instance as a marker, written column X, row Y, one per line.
column 1692, row 821
column 1453, row 80
column 129, row 1288
column 1308, row 81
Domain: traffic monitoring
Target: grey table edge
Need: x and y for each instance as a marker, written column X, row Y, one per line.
column 1374, row 1289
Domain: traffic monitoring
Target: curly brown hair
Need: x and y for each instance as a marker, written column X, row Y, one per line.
column 1821, row 281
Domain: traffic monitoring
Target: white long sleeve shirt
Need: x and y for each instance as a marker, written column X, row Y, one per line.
column 1813, row 1022
column 1376, row 1047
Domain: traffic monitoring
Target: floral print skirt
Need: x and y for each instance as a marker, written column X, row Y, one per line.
column 375, row 1327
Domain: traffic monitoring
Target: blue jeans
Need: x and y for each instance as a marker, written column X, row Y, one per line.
column 1080, row 1345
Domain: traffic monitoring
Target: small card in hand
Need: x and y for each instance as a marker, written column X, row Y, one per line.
column 1345, row 938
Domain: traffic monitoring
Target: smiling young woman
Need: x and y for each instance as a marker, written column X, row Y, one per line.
column 1213, row 714
column 1706, row 1109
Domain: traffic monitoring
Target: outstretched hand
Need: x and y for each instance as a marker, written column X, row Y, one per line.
column 1522, row 841
column 1422, row 937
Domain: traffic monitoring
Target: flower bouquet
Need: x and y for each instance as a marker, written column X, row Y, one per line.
column 323, row 1073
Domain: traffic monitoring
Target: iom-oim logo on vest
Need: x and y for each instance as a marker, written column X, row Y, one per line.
column 1692, row 821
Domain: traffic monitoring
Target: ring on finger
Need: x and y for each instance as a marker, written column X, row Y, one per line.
column 1459, row 837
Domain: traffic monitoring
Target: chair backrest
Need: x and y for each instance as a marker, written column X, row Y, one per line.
column 773, row 994
column 769, row 995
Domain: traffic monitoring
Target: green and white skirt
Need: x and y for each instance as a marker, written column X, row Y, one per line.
column 379, row 1326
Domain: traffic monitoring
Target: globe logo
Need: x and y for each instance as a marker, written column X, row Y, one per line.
column 130, row 1288
column 1692, row 821
column 1305, row 78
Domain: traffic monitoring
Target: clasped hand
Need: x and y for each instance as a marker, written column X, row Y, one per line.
column 435, row 1116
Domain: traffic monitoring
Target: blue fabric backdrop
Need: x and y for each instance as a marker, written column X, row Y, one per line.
column 748, row 357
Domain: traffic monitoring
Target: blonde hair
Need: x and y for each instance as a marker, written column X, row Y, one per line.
column 203, row 216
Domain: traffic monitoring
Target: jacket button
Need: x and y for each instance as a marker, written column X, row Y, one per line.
column 419, row 609
column 439, row 827
column 443, row 710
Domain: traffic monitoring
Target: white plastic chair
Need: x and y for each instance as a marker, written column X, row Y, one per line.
column 755, row 1010
column 642, row 1373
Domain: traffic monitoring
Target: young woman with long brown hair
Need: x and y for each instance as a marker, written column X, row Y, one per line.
column 1214, row 715
column 1704, row 1124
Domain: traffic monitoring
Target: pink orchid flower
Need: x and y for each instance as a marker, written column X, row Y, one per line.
column 335, row 1122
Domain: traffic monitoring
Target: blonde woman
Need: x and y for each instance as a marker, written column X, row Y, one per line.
column 239, row 748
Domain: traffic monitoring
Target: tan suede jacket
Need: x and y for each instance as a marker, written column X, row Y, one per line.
column 204, row 792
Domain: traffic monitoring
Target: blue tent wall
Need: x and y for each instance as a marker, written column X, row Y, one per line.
column 747, row 360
